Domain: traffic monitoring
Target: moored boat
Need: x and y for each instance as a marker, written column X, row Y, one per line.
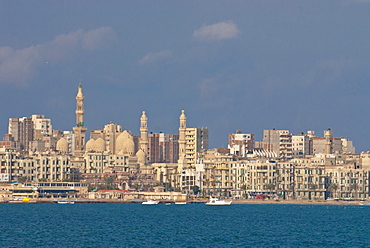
column 217, row 202
column 180, row 203
column 150, row 202
column 65, row 202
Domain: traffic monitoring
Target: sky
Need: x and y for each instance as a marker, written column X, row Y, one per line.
column 245, row 65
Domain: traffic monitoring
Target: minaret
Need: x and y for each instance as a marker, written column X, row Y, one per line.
column 182, row 142
column 328, row 141
column 79, row 130
column 143, row 133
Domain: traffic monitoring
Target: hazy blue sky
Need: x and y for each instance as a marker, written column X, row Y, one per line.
column 249, row 65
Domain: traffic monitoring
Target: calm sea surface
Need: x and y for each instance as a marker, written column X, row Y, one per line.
column 198, row 225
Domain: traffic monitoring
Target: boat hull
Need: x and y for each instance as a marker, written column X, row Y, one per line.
column 150, row 202
column 65, row 202
column 217, row 202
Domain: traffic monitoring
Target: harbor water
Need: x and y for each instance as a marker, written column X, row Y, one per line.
column 191, row 225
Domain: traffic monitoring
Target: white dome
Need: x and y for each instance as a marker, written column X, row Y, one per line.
column 90, row 145
column 141, row 157
column 99, row 145
column 62, row 145
column 125, row 144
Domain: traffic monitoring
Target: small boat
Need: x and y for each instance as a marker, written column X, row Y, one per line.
column 217, row 202
column 4, row 201
column 180, row 203
column 65, row 202
column 150, row 202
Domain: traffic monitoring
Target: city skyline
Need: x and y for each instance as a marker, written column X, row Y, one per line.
column 251, row 66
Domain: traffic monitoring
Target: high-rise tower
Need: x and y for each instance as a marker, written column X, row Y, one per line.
column 80, row 129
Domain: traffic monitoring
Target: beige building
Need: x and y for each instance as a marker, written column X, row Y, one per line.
column 36, row 168
column 346, row 182
column 196, row 141
column 301, row 145
column 278, row 141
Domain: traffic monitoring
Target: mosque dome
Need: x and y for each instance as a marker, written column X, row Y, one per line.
column 141, row 157
column 125, row 143
column 62, row 145
column 99, row 145
column 123, row 136
column 128, row 147
column 90, row 145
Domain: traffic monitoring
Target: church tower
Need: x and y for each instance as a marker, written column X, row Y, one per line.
column 79, row 130
column 182, row 141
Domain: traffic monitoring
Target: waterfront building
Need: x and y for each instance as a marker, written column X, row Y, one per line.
column 346, row 182
column 310, row 181
column 217, row 179
column 49, row 190
column 34, row 168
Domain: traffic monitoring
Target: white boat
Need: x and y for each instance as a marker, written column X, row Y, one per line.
column 66, row 202
column 150, row 202
column 180, row 203
column 217, row 202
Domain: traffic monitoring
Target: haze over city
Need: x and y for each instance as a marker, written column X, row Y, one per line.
column 249, row 65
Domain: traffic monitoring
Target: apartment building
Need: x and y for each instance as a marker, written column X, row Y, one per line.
column 278, row 141
column 241, row 143
column 301, row 145
column 35, row 168
column 196, row 141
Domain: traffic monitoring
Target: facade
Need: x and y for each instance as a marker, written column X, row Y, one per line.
column 240, row 144
column 159, row 147
column 329, row 145
column 35, row 168
column 21, row 130
column 281, row 166
column 278, row 141
column 196, row 141
column 301, row 145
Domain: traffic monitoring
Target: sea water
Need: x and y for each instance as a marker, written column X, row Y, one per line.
column 192, row 225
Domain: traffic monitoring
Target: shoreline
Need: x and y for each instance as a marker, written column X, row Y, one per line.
column 248, row 201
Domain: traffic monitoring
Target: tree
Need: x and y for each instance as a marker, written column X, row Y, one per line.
column 195, row 189
column 22, row 179
column 333, row 188
column 354, row 187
